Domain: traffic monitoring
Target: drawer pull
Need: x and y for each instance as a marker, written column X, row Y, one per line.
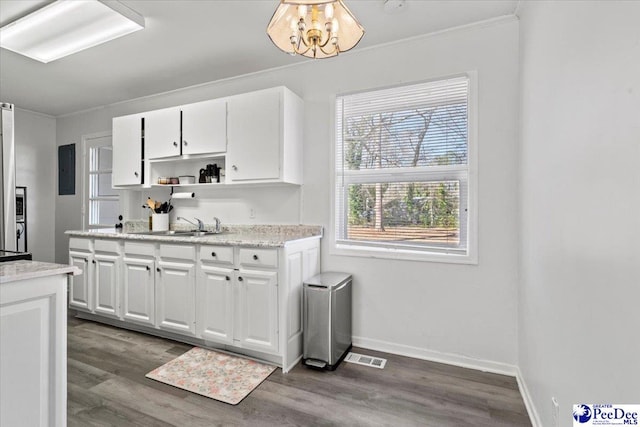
column 158, row 269
column 93, row 261
column 255, row 257
column 148, row 268
column 213, row 254
column 227, row 277
column 240, row 279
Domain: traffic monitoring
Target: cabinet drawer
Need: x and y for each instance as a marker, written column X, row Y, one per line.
column 136, row 248
column 187, row 252
column 217, row 254
column 250, row 257
column 106, row 246
column 76, row 244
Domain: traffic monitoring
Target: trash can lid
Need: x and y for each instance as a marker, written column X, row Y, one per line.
column 328, row 279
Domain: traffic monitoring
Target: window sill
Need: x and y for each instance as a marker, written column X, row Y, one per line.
column 401, row 254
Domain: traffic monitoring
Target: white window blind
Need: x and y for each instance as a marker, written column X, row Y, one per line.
column 402, row 168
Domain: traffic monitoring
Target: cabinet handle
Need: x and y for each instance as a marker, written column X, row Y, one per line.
column 158, row 269
column 227, row 278
column 234, row 167
column 135, row 174
column 213, row 254
column 240, row 279
column 255, row 257
column 93, row 261
column 175, row 144
column 184, row 142
column 148, row 268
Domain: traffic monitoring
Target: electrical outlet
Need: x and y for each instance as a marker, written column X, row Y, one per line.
column 555, row 410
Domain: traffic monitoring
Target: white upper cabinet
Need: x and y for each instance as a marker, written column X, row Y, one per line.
column 127, row 150
column 265, row 137
column 256, row 137
column 162, row 133
column 198, row 128
column 204, row 127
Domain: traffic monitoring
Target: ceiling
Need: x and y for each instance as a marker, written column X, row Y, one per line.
column 188, row 42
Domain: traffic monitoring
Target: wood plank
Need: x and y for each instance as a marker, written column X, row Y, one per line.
column 106, row 368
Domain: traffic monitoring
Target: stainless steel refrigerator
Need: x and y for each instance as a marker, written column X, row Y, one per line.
column 8, row 187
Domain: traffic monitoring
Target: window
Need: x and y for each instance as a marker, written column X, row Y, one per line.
column 403, row 171
column 102, row 201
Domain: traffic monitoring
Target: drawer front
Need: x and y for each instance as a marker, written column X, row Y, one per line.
column 217, row 254
column 254, row 257
column 187, row 252
column 106, row 246
column 137, row 248
column 78, row 244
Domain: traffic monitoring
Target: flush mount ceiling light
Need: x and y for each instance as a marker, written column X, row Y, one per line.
column 65, row 27
column 314, row 28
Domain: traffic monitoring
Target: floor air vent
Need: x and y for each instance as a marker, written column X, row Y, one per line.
column 361, row 359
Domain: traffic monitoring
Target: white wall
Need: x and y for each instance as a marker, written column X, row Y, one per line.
column 35, row 139
column 460, row 313
column 580, row 212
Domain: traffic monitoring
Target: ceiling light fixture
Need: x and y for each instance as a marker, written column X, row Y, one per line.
column 65, row 27
column 314, row 28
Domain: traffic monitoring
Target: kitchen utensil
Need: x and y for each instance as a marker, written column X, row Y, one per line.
column 151, row 203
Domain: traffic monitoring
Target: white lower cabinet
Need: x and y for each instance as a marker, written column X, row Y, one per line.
column 175, row 305
column 215, row 309
column 247, row 300
column 106, row 270
column 80, row 292
column 257, row 310
column 138, row 288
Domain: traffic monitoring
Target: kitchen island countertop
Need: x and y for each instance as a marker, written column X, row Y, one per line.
column 268, row 236
column 13, row 271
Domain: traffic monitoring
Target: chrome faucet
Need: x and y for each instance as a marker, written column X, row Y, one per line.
column 217, row 228
column 200, row 224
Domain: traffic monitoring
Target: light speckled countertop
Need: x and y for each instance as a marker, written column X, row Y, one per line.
column 268, row 236
column 13, row 271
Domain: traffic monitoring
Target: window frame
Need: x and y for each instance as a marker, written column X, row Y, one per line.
column 89, row 142
column 420, row 174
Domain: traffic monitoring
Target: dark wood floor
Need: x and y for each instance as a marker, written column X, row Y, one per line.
column 107, row 387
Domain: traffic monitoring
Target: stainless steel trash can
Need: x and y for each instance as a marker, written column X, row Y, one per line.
column 327, row 319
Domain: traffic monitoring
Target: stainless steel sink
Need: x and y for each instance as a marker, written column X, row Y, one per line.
column 177, row 233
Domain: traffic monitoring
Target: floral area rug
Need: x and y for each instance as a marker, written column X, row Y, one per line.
column 216, row 375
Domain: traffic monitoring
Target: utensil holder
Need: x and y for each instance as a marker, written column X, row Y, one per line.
column 160, row 222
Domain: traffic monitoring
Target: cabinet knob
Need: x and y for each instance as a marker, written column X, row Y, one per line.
column 93, row 261
column 175, row 144
column 213, row 254
column 158, row 269
column 184, row 142
column 148, row 268
column 240, row 279
column 135, row 174
column 255, row 257
column 227, row 278
column 234, row 167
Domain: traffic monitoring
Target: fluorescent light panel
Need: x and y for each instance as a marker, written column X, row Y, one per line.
column 65, row 27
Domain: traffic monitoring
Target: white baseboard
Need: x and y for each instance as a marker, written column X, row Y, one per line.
column 456, row 360
column 528, row 401
column 436, row 356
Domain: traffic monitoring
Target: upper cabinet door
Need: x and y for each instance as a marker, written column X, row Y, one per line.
column 204, row 127
column 254, row 129
column 127, row 150
column 162, row 133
